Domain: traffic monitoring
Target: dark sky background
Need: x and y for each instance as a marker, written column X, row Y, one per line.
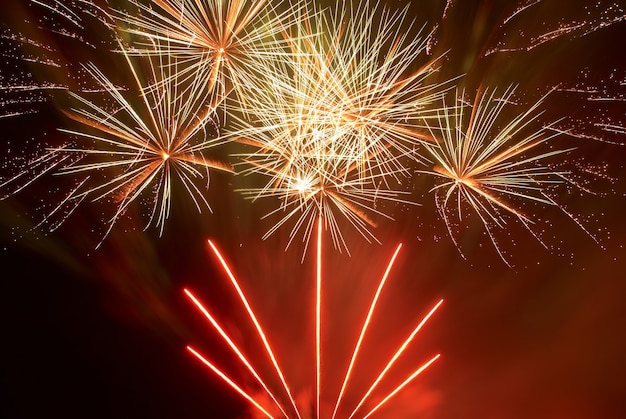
column 102, row 332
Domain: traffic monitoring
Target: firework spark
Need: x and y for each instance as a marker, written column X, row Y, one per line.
column 212, row 40
column 336, row 122
column 138, row 148
column 310, row 183
column 487, row 162
column 319, row 365
column 596, row 17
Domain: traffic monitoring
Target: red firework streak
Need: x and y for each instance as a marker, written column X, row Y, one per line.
column 290, row 410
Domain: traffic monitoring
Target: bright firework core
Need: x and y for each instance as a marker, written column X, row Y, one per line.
column 303, row 185
column 280, row 402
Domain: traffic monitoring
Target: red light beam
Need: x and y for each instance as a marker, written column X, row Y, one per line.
column 364, row 328
column 234, row 347
column 229, row 381
column 257, row 325
column 318, row 315
column 397, row 355
column 401, row 386
column 318, row 342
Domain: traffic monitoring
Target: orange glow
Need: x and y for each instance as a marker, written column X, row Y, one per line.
column 229, row 381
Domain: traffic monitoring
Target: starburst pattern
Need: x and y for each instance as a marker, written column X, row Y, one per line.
column 336, row 122
column 309, row 179
column 144, row 144
column 212, row 40
column 489, row 160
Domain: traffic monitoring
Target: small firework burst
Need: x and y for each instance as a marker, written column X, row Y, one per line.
column 128, row 150
column 212, row 40
column 488, row 161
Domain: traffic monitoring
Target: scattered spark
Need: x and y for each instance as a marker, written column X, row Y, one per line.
column 68, row 34
column 43, row 61
column 26, row 41
column 608, row 16
column 35, row 169
column 607, row 99
column 585, row 136
column 11, row 114
column 616, row 129
column 447, row 8
column 432, row 40
column 519, row 10
column 33, row 87
column 62, row 10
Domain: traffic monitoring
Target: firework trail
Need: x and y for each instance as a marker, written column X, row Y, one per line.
column 291, row 409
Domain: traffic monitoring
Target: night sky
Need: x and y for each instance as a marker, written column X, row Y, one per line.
column 101, row 332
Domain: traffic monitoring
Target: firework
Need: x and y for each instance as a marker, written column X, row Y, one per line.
column 335, row 123
column 488, row 161
column 135, row 150
column 293, row 410
column 212, row 40
column 308, row 183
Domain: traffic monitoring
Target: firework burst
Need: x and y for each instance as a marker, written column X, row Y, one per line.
column 489, row 162
column 336, row 122
column 134, row 149
column 354, row 72
column 291, row 409
column 310, row 178
column 212, row 40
